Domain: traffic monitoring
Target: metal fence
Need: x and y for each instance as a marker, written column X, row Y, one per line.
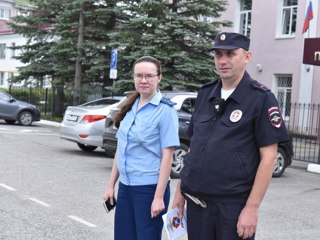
column 45, row 98
column 303, row 121
column 303, row 125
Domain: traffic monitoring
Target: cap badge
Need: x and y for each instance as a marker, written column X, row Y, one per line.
column 235, row 116
column 223, row 37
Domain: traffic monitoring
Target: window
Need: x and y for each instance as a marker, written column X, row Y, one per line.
column 22, row 12
column 283, row 93
column 3, row 50
column 205, row 19
column 245, row 17
column 10, row 76
column 1, row 78
column 13, row 51
column 289, row 17
column 188, row 105
column 4, row 13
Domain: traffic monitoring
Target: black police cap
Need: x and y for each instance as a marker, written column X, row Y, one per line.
column 229, row 41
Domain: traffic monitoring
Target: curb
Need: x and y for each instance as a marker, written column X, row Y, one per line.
column 315, row 168
column 50, row 123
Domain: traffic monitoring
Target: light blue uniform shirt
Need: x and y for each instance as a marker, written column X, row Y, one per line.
column 141, row 137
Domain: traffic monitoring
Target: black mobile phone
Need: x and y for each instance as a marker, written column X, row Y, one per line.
column 108, row 206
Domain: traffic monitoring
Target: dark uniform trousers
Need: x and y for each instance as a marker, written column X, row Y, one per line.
column 216, row 222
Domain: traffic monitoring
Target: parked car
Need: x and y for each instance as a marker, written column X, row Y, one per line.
column 185, row 107
column 84, row 124
column 12, row 110
column 284, row 157
column 185, row 102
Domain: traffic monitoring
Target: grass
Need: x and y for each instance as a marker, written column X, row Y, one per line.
column 50, row 118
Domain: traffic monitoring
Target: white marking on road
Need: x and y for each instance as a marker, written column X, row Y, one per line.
column 80, row 220
column 39, row 202
column 27, row 131
column 33, row 133
column 7, row 187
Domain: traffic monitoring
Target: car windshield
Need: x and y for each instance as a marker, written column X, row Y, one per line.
column 4, row 96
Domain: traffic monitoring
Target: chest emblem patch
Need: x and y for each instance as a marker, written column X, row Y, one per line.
column 275, row 117
column 235, row 116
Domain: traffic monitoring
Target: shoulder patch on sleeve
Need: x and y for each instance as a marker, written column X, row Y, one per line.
column 275, row 116
column 259, row 86
column 168, row 102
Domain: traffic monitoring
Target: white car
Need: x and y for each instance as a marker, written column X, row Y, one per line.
column 84, row 124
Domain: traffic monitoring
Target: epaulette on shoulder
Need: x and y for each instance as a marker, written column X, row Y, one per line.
column 167, row 101
column 214, row 82
column 259, row 86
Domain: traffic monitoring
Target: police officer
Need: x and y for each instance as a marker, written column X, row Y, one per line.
column 234, row 133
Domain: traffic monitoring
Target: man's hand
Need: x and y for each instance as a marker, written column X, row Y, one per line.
column 247, row 222
column 179, row 201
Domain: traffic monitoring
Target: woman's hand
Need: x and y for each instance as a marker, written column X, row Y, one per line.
column 157, row 207
column 109, row 194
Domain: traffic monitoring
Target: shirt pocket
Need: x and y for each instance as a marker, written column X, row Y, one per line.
column 147, row 131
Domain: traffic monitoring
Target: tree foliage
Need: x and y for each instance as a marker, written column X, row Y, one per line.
column 171, row 30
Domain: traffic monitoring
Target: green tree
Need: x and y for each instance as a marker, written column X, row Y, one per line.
column 172, row 31
column 176, row 32
column 52, row 47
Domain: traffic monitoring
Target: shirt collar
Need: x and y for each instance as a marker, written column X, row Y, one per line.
column 155, row 100
column 238, row 94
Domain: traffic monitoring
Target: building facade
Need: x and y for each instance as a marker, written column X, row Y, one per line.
column 277, row 42
column 8, row 64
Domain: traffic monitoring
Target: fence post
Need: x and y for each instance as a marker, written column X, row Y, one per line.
column 46, row 102
column 318, row 135
column 30, row 93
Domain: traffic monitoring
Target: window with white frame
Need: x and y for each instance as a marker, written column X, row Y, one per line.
column 3, row 50
column 10, row 76
column 13, row 51
column 245, row 17
column 288, row 23
column 22, row 12
column 283, row 93
column 205, row 19
column 1, row 78
column 4, row 13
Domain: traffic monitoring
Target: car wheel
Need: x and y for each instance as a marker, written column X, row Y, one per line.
column 109, row 153
column 86, row 148
column 25, row 118
column 177, row 163
column 10, row 121
column 280, row 164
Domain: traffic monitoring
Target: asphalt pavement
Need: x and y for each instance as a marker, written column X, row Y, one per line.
column 290, row 209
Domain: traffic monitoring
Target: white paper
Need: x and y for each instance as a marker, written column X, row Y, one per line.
column 174, row 225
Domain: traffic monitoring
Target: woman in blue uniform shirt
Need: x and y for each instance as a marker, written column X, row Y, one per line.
column 147, row 137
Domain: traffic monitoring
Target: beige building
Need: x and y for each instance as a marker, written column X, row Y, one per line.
column 277, row 42
column 8, row 64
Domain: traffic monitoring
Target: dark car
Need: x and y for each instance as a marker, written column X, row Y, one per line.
column 284, row 157
column 12, row 110
column 185, row 107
